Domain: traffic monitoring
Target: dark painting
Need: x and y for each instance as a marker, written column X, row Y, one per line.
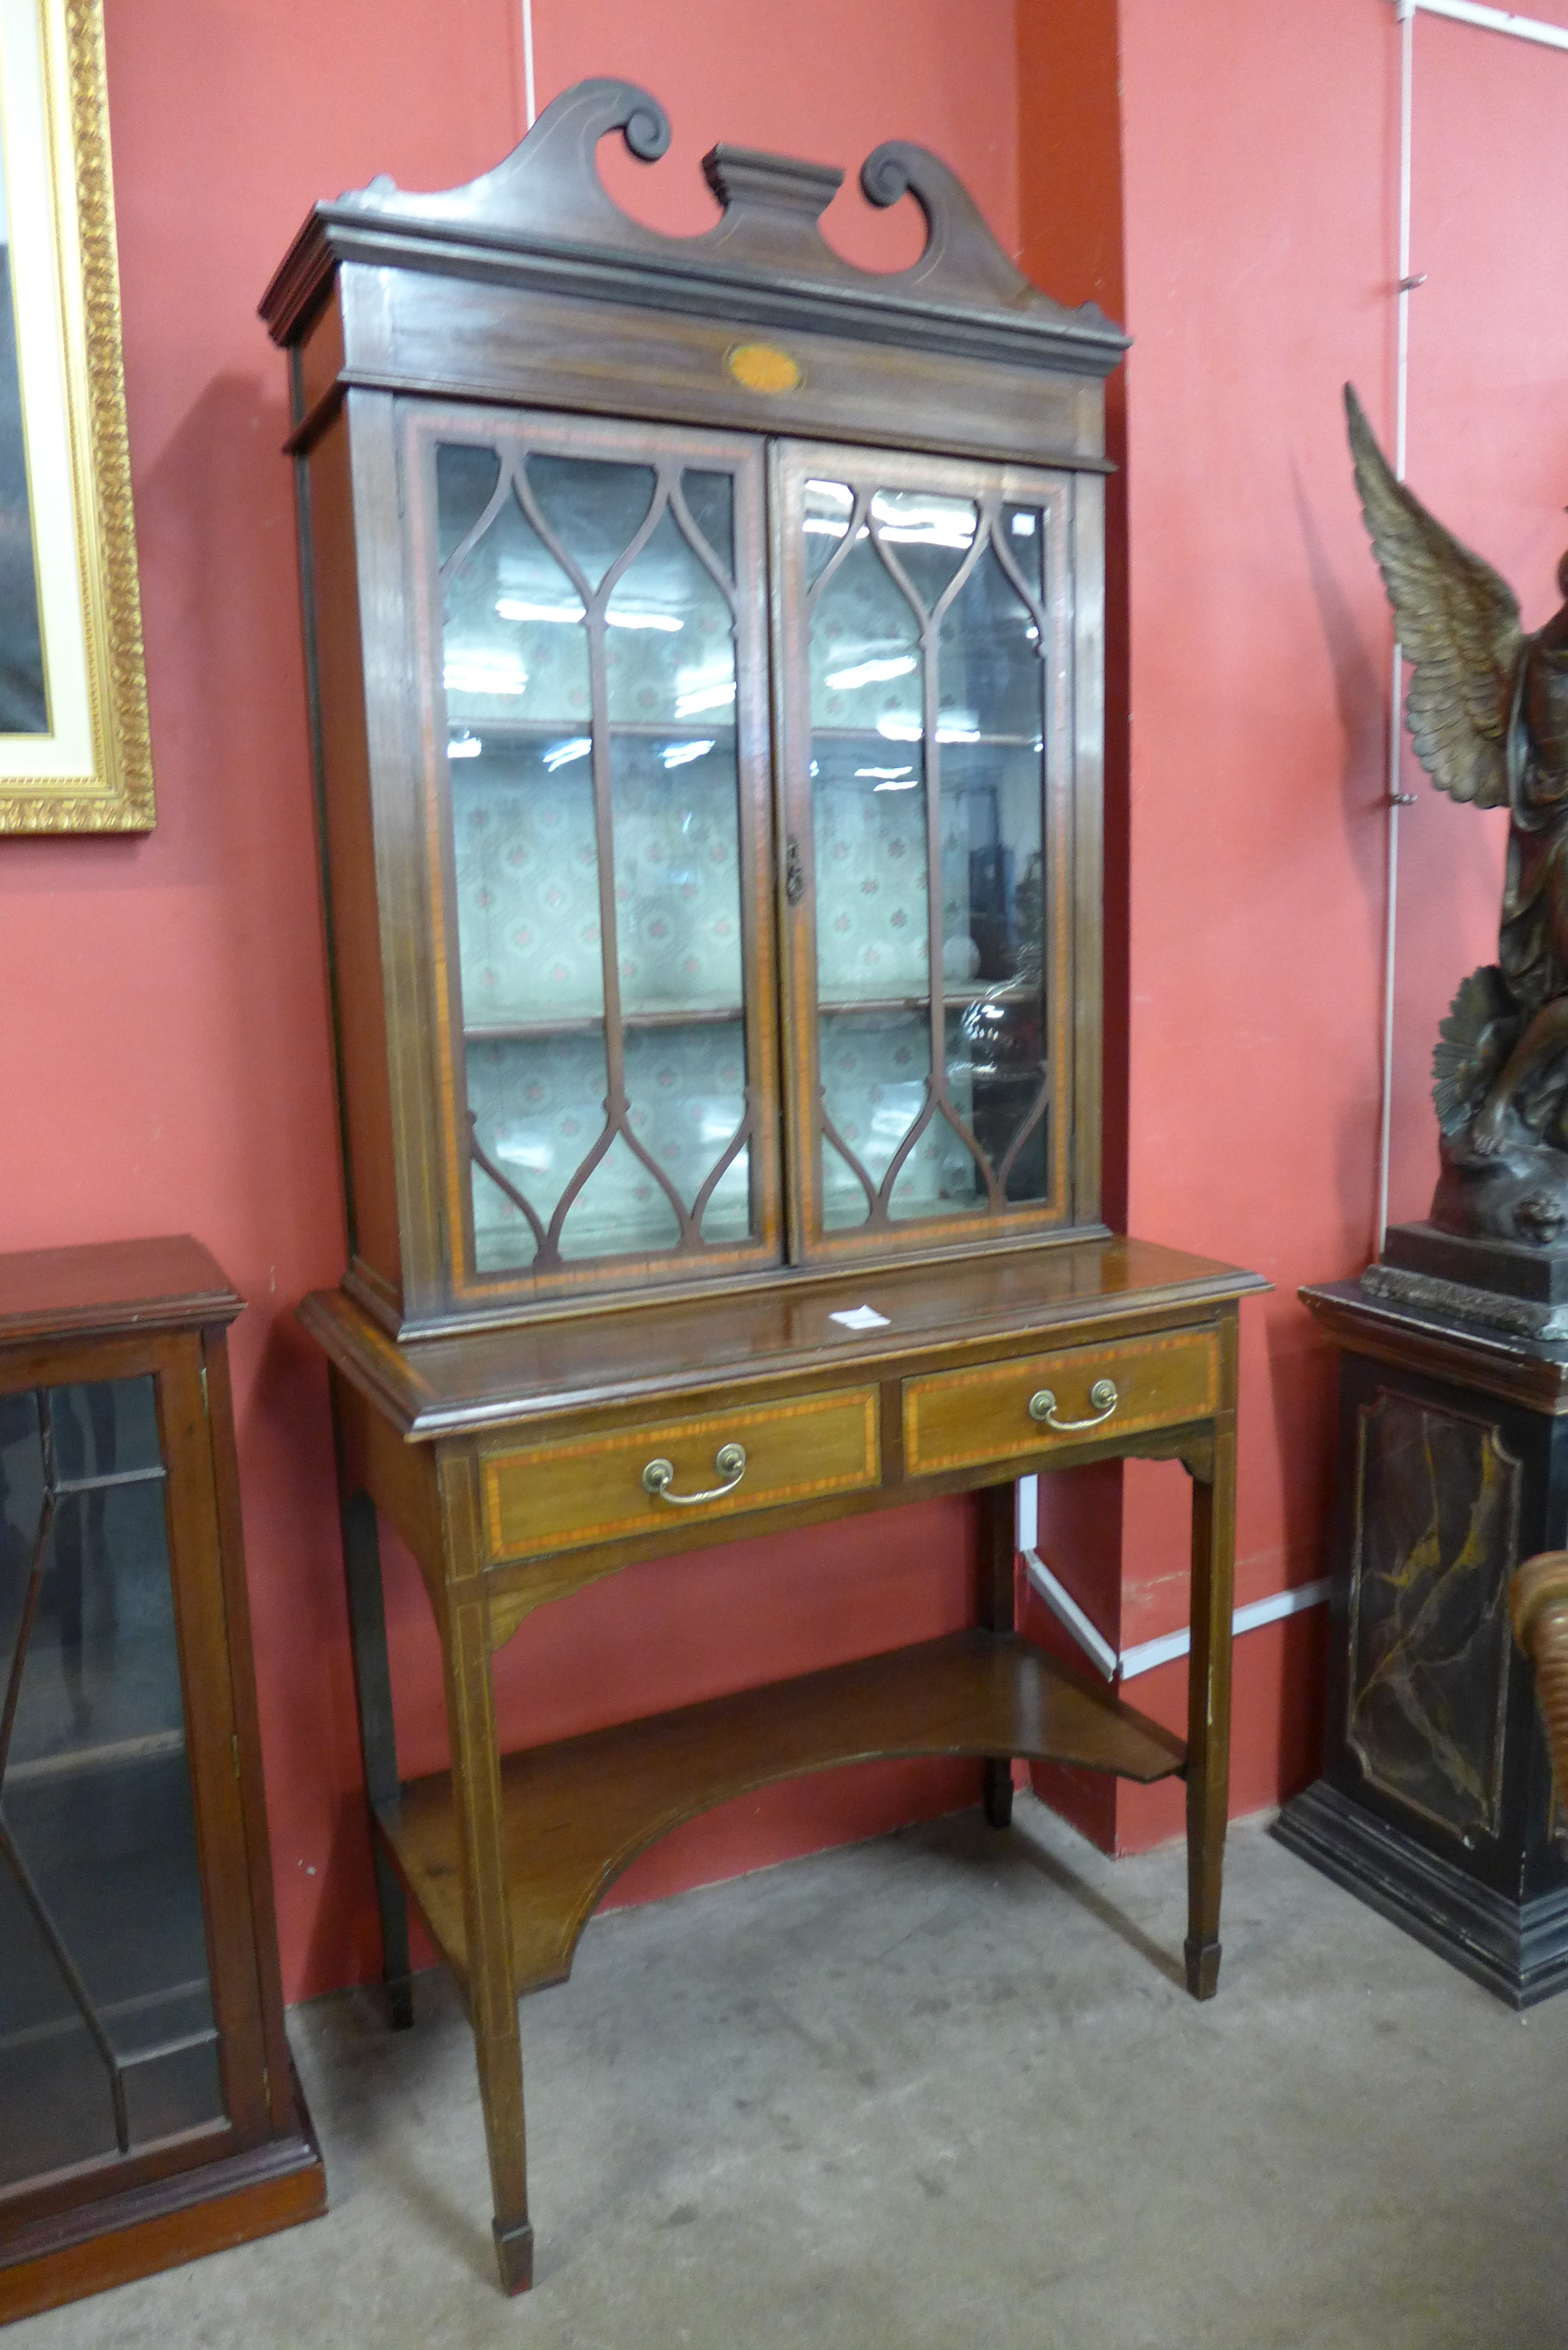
column 1437, row 1537
column 23, row 705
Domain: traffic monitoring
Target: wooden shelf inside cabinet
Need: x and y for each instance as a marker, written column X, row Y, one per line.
column 814, row 558
column 955, row 999
column 576, row 1814
column 150, row 2108
column 546, row 729
column 589, row 1023
column 874, row 738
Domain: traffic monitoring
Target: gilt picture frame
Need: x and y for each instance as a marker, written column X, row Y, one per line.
column 75, row 751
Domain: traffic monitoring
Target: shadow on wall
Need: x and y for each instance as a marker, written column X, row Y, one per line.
column 215, row 532
column 226, row 681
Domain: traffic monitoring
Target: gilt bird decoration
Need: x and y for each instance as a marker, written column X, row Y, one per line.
column 1487, row 713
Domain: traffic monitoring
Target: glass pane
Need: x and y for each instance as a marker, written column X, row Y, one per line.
column 677, row 872
column 992, row 678
column 162, row 2088
column 607, row 586
column 874, row 1086
column 687, row 1088
column 621, row 1207
column 513, row 647
column 1023, row 529
column 24, row 691
column 711, row 502
column 21, row 1499
column 466, row 481
column 527, row 868
column 52, row 2077
column 866, row 650
column 929, row 538
column 669, row 650
column 996, row 1053
column 941, row 1177
column 870, row 840
column 538, row 1108
column 935, row 601
column 593, row 508
column 992, row 731
column 829, row 510
column 107, row 1427
column 103, row 1955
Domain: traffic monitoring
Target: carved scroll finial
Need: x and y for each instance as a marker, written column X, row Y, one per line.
column 551, row 180
column 885, row 176
column 646, row 128
column 766, row 261
column 961, row 259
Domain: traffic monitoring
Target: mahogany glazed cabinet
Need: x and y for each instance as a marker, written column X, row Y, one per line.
column 148, row 2107
column 705, row 644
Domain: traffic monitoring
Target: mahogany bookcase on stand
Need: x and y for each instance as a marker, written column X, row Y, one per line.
column 705, row 643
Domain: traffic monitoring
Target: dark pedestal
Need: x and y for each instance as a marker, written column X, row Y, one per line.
column 1436, row 1801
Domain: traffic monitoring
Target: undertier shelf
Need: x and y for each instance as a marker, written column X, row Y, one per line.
column 578, row 1812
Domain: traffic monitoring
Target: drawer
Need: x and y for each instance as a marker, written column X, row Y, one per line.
column 552, row 1497
column 955, row 1418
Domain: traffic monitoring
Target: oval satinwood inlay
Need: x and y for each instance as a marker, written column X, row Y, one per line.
column 763, row 367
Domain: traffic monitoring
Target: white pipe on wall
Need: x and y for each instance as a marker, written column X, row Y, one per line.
column 1396, row 798
column 1144, row 1657
column 1148, row 1654
column 1067, row 1610
column 1493, row 20
column 1520, row 28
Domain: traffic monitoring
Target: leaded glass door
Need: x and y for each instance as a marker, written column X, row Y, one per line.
column 926, row 640
column 604, row 951
column 109, row 2022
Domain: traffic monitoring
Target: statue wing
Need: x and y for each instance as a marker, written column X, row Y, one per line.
column 1459, row 627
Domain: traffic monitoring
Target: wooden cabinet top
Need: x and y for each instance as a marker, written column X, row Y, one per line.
column 109, row 1286
column 543, row 219
column 452, row 1386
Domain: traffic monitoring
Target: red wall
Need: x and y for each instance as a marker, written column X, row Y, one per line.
column 168, row 1059
column 1259, row 242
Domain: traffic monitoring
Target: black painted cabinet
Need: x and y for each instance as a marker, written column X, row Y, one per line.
column 1436, row 1800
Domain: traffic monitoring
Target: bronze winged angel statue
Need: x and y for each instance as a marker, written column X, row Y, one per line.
column 1487, row 713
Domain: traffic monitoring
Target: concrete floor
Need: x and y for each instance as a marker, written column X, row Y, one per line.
column 943, row 2089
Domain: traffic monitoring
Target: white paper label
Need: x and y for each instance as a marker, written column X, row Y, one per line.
column 861, row 1317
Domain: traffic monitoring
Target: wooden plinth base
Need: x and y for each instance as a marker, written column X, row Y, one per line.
column 1519, row 1949
column 166, row 2223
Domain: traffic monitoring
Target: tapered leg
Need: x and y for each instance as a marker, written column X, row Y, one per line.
column 998, row 1565
column 1209, row 1709
column 492, row 1999
column 378, row 1736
